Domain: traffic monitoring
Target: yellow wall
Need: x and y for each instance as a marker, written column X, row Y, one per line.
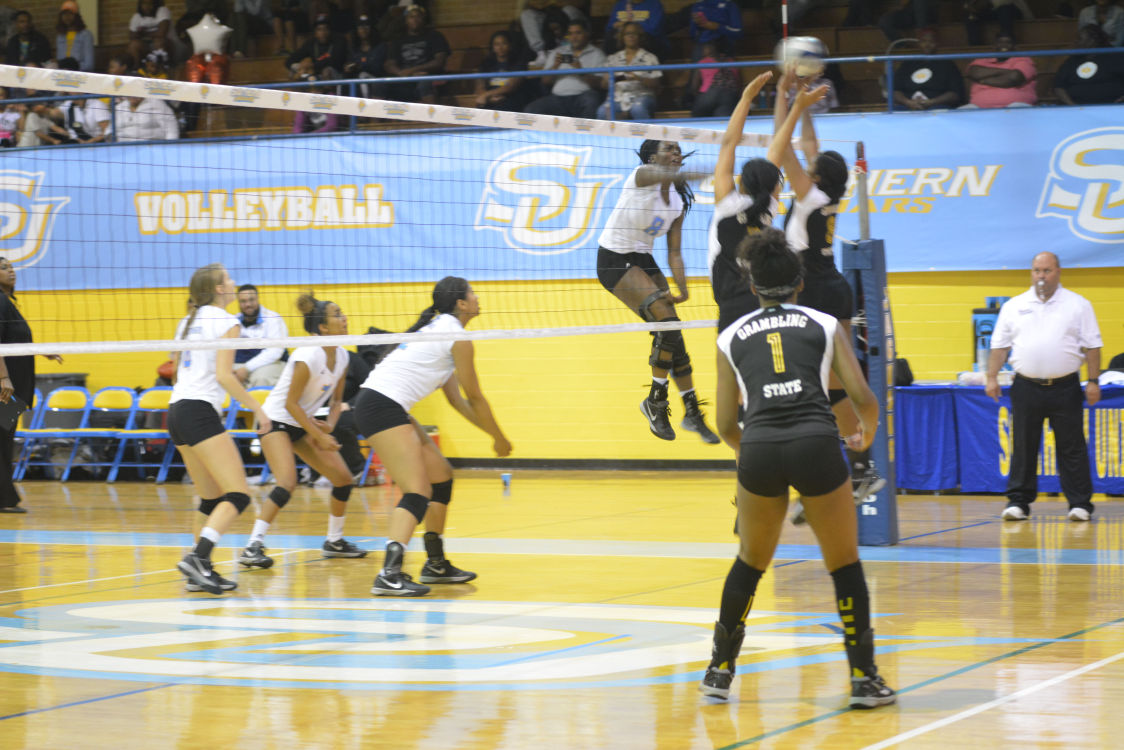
column 567, row 397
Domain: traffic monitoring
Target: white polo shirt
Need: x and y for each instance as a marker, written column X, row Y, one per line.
column 1047, row 339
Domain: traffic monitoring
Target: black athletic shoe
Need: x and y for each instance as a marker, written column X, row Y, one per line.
column 724, row 651
column 253, row 556
column 865, row 481
column 224, row 583
column 443, row 571
column 342, row 548
column 197, row 570
column 871, row 691
column 397, row 584
column 658, row 414
column 694, row 421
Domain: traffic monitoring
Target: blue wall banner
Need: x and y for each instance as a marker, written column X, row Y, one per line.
column 948, row 191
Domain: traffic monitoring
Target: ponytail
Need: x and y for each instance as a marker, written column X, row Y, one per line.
column 446, row 293
column 201, row 291
column 759, row 179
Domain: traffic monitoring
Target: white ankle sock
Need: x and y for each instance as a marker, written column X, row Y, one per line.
column 335, row 528
column 258, row 534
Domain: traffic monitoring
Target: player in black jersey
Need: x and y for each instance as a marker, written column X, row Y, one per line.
column 810, row 229
column 778, row 359
column 739, row 211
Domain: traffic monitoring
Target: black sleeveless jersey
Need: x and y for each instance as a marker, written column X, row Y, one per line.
column 729, row 228
column 809, row 226
column 782, row 358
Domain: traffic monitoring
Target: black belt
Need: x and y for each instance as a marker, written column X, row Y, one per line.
column 1063, row 380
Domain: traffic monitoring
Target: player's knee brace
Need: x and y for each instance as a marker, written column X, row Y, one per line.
column 835, row 395
column 681, row 362
column 443, row 492
column 414, row 503
column 239, row 500
column 207, row 507
column 342, row 493
column 279, row 496
column 667, row 346
column 646, row 306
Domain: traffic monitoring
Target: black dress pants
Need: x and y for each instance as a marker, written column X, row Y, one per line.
column 9, row 496
column 1063, row 404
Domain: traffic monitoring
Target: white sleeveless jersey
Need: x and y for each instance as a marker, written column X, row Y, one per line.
column 321, row 383
column 639, row 217
column 195, row 376
column 416, row 369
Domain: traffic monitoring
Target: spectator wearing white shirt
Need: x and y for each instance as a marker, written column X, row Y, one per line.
column 572, row 95
column 1106, row 14
column 141, row 119
column 634, row 93
column 87, row 120
column 151, row 28
column 1048, row 332
column 259, row 367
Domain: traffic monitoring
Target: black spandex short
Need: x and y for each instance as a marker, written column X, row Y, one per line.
column 811, row 465
column 295, row 433
column 611, row 267
column 190, row 422
column 830, row 294
column 375, row 412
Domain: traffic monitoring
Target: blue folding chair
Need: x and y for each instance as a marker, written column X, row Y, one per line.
column 68, row 400
column 150, row 404
column 112, row 401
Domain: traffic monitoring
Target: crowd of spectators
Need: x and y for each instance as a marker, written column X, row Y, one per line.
column 328, row 40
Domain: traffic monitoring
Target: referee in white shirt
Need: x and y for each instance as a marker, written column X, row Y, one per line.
column 1048, row 331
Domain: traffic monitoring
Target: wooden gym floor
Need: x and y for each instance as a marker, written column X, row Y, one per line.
column 588, row 627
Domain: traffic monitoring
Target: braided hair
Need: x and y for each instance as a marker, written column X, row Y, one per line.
column 446, row 293
column 647, row 150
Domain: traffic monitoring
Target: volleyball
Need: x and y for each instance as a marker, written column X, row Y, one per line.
column 807, row 53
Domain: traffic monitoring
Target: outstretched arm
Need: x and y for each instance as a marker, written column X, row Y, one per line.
column 724, row 169
column 780, row 150
column 472, row 403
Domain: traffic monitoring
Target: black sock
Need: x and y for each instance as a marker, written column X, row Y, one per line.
column 853, row 600
column 203, row 548
column 737, row 594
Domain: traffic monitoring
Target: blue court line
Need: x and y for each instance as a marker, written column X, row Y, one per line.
column 945, row 531
column 547, row 654
column 926, row 683
column 88, row 700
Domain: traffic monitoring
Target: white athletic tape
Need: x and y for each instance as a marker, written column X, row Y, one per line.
column 239, row 96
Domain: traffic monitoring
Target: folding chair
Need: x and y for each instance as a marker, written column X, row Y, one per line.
column 112, row 400
column 244, row 435
column 67, row 400
column 149, row 403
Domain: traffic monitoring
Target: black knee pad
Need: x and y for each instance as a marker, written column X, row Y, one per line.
column 342, row 493
column 280, row 496
column 442, row 492
column 670, row 345
column 414, row 503
column 239, row 500
column 207, row 507
column 835, row 395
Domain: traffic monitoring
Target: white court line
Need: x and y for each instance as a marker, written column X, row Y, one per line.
column 992, row 704
column 142, row 573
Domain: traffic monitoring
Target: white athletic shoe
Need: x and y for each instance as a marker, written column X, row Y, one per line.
column 1015, row 513
column 1078, row 514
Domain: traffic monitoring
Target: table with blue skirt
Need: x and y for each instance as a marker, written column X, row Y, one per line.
column 951, row 436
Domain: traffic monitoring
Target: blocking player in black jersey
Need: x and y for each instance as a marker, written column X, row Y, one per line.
column 810, row 228
column 778, row 359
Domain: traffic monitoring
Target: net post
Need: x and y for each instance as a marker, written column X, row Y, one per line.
column 861, row 193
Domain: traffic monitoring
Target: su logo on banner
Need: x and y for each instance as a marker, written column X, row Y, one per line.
column 25, row 217
column 1086, row 185
column 542, row 199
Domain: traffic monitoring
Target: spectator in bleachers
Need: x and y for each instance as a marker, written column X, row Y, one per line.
column 315, row 122
column 86, row 120
column 10, row 115
column 293, row 16
column 634, row 93
column 977, row 13
column 368, row 57
column 323, row 56
column 714, row 20
column 577, row 95
column 119, row 65
column 390, row 15
column 907, row 15
column 339, row 14
column 35, row 125
column 422, row 51
column 1090, row 78
column 503, row 92
column 829, row 101
column 545, row 23
column 151, row 28
column 145, row 119
column 928, row 84
column 74, row 39
column 1108, row 16
column 647, row 13
column 155, row 65
column 251, row 18
column 259, row 367
column 1002, row 81
column 713, row 92
column 27, row 45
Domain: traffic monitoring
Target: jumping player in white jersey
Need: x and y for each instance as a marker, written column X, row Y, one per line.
column 313, row 377
column 648, row 208
column 810, row 228
column 408, row 374
column 776, row 361
column 196, row 429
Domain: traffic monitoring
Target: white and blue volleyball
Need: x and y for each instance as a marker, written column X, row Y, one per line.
column 806, row 53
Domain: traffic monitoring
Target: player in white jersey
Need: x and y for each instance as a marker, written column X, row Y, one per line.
column 313, row 377
column 648, row 208
column 211, row 458
column 408, row 374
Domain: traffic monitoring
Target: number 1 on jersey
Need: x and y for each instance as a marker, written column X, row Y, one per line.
column 774, row 340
